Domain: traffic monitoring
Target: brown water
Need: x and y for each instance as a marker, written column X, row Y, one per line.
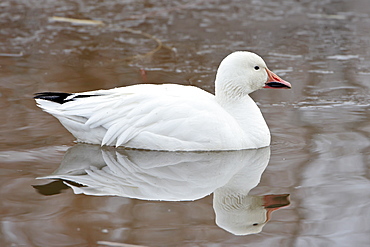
column 320, row 129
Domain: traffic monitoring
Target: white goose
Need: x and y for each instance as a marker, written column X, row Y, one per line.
column 173, row 117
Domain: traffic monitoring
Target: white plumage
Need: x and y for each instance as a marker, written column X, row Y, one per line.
column 172, row 117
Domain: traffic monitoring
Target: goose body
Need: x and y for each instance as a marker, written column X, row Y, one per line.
column 172, row 117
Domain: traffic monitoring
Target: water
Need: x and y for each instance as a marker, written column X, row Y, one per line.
column 320, row 131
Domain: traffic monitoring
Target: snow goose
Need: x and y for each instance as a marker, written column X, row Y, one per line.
column 173, row 117
column 175, row 176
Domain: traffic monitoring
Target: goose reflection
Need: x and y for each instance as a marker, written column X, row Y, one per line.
column 176, row 176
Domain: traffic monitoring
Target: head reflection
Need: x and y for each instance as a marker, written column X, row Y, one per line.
column 176, row 176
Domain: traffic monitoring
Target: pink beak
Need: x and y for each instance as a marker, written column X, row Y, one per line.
column 274, row 202
column 274, row 81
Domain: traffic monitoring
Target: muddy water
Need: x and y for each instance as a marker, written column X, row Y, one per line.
column 320, row 128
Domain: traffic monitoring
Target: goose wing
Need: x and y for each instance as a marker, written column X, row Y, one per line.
column 160, row 117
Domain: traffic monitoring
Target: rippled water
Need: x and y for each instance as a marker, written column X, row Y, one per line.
column 320, row 128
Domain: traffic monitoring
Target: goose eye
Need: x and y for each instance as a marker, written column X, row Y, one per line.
column 255, row 224
column 256, row 67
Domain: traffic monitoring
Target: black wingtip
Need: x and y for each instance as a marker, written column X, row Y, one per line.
column 61, row 98
column 53, row 96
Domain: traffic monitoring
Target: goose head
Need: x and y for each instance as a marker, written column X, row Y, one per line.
column 242, row 73
column 247, row 214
